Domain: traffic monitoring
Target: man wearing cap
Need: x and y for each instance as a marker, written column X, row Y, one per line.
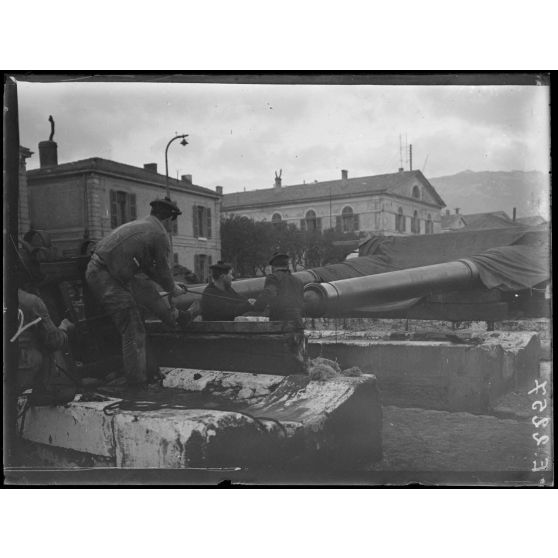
column 283, row 293
column 122, row 274
column 220, row 302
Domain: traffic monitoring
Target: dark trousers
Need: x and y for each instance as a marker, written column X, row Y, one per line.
column 118, row 301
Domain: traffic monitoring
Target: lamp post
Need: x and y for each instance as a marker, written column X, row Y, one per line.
column 183, row 142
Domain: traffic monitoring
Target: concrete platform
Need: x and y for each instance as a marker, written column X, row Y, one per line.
column 214, row 419
column 459, row 375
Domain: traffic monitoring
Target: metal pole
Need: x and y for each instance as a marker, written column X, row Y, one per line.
column 183, row 136
column 10, row 238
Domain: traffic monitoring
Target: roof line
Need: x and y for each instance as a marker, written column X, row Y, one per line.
column 156, row 179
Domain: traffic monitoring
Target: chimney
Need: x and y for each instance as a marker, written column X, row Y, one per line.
column 151, row 167
column 278, row 178
column 514, row 214
column 400, row 169
column 411, row 156
column 48, row 149
column 219, row 190
column 457, row 210
column 447, row 211
column 186, row 178
column 344, row 174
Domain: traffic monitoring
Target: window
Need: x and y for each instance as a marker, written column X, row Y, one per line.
column 122, row 208
column 429, row 225
column 416, row 192
column 174, row 227
column 415, row 223
column 276, row 219
column 400, row 220
column 349, row 221
column 175, row 258
column 201, row 266
column 311, row 222
column 201, row 220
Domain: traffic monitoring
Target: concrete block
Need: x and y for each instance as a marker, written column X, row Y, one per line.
column 338, row 420
column 546, row 350
column 79, row 426
column 440, row 374
column 187, row 438
column 217, row 419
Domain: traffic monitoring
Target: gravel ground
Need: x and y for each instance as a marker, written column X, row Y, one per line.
column 418, row 440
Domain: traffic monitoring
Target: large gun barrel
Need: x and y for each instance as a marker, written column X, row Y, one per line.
column 338, row 296
column 249, row 288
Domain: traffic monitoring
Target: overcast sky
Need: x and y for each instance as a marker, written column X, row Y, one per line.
column 241, row 134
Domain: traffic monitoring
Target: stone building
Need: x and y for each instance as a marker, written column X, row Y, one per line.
column 86, row 199
column 400, row 203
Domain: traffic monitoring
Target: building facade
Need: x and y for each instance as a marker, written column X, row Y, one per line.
column 399, row 203
column 87, row 199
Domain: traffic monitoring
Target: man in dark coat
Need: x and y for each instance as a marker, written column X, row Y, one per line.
column 39, row 341
column 123, row 275
column 220, row 302
column 283, row 293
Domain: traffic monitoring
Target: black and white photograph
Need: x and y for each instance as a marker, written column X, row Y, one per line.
column 278, row 279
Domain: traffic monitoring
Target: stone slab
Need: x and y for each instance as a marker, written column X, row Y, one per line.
column 218, row 419
column 338, row 419
column 188, row 438
column 79, row 426
column 440, row 374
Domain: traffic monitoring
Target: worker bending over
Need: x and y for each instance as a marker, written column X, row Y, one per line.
column 220, row 302
column 123, row 275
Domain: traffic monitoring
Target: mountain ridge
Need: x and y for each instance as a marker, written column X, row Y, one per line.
column 488, row 191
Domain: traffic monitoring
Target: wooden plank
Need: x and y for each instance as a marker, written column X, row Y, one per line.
column 232, row 328
column 279, row 353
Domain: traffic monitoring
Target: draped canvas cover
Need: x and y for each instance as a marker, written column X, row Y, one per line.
column 515, row 258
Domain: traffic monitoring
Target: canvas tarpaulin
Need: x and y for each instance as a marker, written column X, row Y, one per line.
column 509, row 259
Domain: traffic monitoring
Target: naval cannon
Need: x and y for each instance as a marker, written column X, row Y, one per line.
column 340, row 297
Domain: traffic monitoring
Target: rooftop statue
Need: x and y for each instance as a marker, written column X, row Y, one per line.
column 51, row 120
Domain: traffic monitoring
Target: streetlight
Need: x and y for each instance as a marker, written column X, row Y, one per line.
column 183, row 142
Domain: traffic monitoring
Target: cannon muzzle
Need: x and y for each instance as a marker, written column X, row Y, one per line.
column 339, row 296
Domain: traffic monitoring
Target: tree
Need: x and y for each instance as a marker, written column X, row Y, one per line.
column 248, row 244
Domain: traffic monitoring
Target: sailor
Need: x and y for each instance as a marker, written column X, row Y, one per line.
column 220, row 302
column 123, row 275
column 39, row 340
column 283, row 293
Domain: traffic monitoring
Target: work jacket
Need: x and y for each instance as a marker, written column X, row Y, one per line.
column 284, row 294
column 141, row 246
column 222, row 306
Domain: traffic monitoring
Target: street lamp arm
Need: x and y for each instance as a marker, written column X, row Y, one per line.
column 184, row 142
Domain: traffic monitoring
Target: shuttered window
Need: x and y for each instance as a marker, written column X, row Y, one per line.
column 201, row 221
column 201, row 266
column 122, row 208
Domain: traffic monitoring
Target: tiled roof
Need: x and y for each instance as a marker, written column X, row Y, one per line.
column 382, row 183
column 452, row 221
column 491, row 220
column 128, row 171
